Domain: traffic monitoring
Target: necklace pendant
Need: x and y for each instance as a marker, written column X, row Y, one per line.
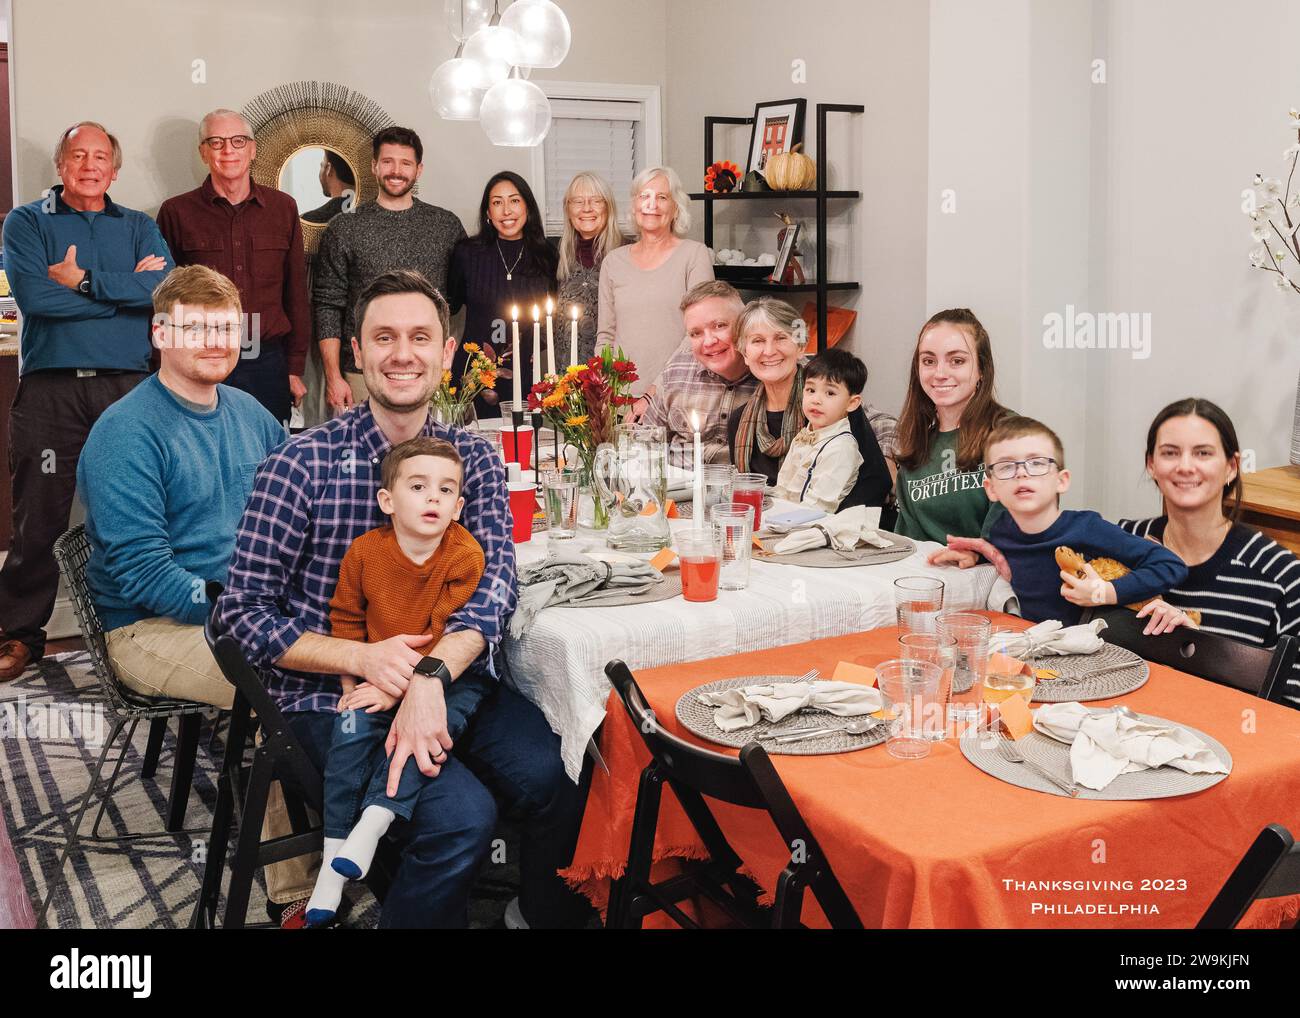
column 509, row 276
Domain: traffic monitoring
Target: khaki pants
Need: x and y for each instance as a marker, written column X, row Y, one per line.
column 294, row 878
column 358, row 383
column 162, row 657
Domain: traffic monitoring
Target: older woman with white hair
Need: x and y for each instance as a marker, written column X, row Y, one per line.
column 642, row 284
column 590, row 233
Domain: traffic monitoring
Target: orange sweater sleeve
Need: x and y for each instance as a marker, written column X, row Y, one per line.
column 348, row 605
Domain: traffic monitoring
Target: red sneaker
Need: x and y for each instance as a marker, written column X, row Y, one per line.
column 294, row 916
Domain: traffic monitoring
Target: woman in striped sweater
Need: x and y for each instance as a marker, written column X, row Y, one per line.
column 1245, row 585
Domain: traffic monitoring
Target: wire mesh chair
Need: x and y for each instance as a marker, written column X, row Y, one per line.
column 126, row 710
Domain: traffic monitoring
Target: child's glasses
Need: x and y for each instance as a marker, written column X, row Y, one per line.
column 1005, row 470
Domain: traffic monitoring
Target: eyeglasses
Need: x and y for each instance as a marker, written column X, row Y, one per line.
column 586, row 203
column 217, row 143
column 225, row 333
column 1037, row 466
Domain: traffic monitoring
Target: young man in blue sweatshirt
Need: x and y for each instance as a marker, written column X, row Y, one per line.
column 82, row 270
column 1026, row 473
column 165, row 474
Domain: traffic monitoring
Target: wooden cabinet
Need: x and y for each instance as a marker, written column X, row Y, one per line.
column 1271, row 503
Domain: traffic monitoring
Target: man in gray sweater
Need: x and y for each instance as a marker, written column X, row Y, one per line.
column 393, row 232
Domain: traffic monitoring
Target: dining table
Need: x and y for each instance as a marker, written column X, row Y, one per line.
column 559, row 662
column 938, row 843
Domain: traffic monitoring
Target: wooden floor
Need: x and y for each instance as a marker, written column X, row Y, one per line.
column 16, row 912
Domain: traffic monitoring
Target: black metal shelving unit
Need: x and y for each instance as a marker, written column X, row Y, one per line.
column 822, row 285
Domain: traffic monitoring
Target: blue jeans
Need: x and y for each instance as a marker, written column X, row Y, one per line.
column 356, row 766
column 508, row 751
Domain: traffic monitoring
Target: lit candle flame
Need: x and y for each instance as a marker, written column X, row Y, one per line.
column 695, row 420
column 537, row 313
column 550, row 305
column 514, row 312
column 574, row 311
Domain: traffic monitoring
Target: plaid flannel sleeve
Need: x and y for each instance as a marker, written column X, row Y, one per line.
column 267, row 546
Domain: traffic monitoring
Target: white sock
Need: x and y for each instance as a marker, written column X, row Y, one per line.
column 354, row 857
column 328, row 892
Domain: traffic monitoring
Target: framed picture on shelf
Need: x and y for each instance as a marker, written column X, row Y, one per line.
column 778, row 127
column 789, row 241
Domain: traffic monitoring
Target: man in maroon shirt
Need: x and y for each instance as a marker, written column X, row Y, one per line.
column 251, row 235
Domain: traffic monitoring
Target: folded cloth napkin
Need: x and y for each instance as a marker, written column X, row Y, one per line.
column 566, row 577
column 747, row 705
column 845, row 531
column 1105, row 744
column 1049, row 638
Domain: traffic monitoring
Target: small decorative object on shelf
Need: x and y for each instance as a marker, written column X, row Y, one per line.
column 754, row 182
column 585, row 405
column 453, row 405
column 791, row 171
column 787, row 269
column 1274, row 212
column 721, row 177
column 778, row 127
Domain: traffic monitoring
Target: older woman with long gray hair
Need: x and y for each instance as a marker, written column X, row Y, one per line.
column 590, row 233
column 642, row 284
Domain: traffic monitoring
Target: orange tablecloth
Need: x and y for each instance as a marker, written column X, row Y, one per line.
column 938, row 843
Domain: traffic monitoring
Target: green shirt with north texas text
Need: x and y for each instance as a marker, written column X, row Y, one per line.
column 936, row 499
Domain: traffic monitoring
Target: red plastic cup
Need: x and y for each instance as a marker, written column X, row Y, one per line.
column 523, row 503
column 517, row 445
column 747, row 489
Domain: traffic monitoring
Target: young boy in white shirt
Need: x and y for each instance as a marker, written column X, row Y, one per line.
column 823, row 461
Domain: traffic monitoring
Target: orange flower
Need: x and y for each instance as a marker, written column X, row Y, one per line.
column 577, row 421
column 552, row 401
column 471, row 348
column 446, row 378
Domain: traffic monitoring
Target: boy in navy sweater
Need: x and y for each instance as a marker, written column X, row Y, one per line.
column 1026, row 473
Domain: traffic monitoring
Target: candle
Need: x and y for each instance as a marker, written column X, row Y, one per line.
column 697, row 510
column 514, row 362
column 550, row 338
column 537, row 344
column 573, row 335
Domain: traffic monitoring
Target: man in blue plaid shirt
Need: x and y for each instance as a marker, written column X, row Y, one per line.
column 312, row 498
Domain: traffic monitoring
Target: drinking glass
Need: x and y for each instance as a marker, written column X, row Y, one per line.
column 734, row 526
column 748, row 489
column 561, row 495
column 911, row 689
column 971, row 631
column 698, row 552
column 918, row 600
column 717, row 485
column 1006, row 675
column 939, row 649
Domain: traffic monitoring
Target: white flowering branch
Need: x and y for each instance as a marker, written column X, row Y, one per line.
column 1267, row 217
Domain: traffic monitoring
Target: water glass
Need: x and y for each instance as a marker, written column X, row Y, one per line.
column 1006, row 675
column 697, row 551
column 939, row 649
column 971, row 631
column 560, row 489
column 919, row 601
column 718, row 479
column 749, row 489
column 734, row 525
column 911, row 689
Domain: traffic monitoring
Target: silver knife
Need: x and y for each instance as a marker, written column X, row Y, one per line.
column 594, row 753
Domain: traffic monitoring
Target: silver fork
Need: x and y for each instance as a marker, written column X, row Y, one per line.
column 1008, row 751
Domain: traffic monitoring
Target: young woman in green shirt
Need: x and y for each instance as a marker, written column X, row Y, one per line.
column 949, row 411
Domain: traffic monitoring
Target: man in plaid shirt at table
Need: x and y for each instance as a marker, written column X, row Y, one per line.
column 312, row 498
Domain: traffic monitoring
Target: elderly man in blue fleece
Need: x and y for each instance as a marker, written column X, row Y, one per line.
column 165, row 474
column 82, row 269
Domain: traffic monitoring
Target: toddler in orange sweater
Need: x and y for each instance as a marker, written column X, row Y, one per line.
column 407, row 577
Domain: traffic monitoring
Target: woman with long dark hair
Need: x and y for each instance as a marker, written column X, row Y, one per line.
column 506, row 263
column 1244, row 584
column 948, row 413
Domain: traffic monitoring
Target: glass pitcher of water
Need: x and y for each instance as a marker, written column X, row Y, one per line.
column 631, row 475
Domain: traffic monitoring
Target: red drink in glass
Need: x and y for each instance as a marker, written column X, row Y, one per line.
column 700, row 578
column 751, row 498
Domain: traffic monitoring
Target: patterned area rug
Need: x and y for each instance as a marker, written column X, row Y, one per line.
column 52, row 728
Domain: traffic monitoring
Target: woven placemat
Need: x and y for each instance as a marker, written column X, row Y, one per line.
column 1154, row 783
column 1075, row 682
column 829, row 558
column 670, row 587
column 698, row 718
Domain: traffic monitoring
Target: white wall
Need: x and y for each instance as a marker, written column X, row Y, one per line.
column 131, row 69
column 724, row 58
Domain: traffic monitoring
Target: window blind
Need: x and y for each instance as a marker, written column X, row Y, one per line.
column 597, row 136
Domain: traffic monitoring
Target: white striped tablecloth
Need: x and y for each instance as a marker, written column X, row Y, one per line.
column 559, row 664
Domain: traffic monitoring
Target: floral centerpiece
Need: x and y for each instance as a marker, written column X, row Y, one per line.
column 1274, row 211
column 584, row 406
column 453, row 404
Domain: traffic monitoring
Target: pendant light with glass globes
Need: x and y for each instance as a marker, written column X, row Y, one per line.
column 486, row 80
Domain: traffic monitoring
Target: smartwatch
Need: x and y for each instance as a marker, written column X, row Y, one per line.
column 435, row 668
column 84, row 285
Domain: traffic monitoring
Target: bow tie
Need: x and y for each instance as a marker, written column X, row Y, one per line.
column 806, row 437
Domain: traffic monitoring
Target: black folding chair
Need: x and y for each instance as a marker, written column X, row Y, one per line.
column 126, row 709
column 750, row 781
column 1219, row 659
column 1269, row 869
column 242, row 792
